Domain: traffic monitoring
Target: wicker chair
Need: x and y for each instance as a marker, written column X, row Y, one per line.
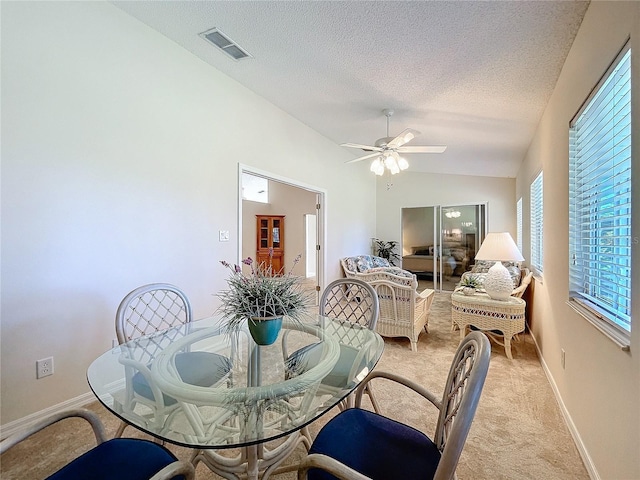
column 143, row 312
column 358, row 445
column 403, row 311
column 122, row 458
column 524, row 283
column 350, row 300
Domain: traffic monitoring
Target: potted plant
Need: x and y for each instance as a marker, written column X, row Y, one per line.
column 469, row 283
column 386, row 250
column 261, row 298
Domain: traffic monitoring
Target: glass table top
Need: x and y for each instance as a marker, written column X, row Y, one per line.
column 197, row 386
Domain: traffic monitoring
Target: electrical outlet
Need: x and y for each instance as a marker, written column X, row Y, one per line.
column 44, row 367
column 562, row 357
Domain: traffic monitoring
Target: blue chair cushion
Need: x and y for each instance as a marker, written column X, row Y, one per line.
column 202, row 369
column 376, row 446
column 120, row 458
column 309, row 356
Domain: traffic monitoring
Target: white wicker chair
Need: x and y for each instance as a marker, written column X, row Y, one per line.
column 142, row 313
column 403, row 311
column 349, row 300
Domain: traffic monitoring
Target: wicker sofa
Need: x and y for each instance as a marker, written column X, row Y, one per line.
column 403, row 311
column 521, row 275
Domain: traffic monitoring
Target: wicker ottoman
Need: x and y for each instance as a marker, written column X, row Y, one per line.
column 494, row 317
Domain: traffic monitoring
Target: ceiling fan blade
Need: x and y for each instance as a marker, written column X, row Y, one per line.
column 422, row 149
column 363, row 147
column 403, row 138
column 371, row 155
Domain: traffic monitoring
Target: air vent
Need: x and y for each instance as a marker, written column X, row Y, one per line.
column 225, row 44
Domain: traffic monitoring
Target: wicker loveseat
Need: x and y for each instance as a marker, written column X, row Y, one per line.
column 403, row 311
column 521, row 275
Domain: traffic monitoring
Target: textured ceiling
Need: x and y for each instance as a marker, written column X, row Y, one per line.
column 475, row 76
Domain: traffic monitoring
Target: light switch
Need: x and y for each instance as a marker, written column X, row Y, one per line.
column 224, row 235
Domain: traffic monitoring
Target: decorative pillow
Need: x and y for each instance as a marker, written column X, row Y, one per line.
column 515, row 273
column 392, row 270
column 363, row 263
column 379, row 262
column 483, row 266
column 351, row 264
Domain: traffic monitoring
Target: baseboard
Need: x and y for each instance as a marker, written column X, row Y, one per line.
column 582, row 450
column 24, row 422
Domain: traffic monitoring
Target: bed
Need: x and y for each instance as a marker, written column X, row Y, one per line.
column 422, row 259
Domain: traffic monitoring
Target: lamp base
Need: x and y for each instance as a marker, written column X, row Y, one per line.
column 498, row 283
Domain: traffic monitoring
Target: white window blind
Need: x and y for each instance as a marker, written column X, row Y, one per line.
column 519, row 223
column 600, row 198
column 536, row 224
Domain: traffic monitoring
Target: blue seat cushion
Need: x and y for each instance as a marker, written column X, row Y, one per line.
column 121, row 459
column 376, row 446
column 309, row 356
column 202, row 369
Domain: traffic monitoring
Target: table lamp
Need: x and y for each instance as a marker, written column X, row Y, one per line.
column 499, row 246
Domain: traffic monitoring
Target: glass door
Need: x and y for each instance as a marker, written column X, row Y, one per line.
column 463, row 228
column 439, row 243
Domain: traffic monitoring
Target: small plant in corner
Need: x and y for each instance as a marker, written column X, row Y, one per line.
column 386, row 250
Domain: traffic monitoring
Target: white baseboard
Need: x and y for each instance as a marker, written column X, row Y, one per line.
column 22, row 423
column 582, row 450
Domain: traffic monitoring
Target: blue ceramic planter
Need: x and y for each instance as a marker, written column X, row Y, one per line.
column 265, row 330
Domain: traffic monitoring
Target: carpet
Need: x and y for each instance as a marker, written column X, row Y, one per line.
column 518, row 431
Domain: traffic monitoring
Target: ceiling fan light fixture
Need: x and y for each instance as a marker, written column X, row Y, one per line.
column 377, row 166
column 390, row 162
column 386, row 150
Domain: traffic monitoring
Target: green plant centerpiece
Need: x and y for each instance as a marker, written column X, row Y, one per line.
column 469, row 284
column 261, row 298
column 386, row 250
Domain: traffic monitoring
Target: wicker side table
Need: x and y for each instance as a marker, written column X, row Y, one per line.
column 488, row 315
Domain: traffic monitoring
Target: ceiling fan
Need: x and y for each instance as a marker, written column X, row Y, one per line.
column 387, row 150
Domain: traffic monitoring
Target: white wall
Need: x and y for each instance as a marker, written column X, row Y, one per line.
column 120, row 155
column 424, row 189
column 599, row 386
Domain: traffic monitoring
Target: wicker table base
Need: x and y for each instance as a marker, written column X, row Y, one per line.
column 492, row 316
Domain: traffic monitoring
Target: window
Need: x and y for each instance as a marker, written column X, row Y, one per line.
column 519, row 223
column 255, row 188
column 536, row 224
column 600, row 202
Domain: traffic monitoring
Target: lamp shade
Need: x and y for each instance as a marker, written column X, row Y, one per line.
column 499, row 246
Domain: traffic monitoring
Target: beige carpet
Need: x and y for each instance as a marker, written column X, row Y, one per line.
column 518, row 432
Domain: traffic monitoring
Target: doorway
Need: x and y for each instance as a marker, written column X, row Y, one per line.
column 301, row 208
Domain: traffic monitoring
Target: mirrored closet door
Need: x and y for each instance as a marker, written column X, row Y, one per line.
column 439, row 243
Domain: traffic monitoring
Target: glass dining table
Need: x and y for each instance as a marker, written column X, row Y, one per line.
column 249, row 396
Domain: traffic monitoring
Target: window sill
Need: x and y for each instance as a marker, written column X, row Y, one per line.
column 607, row 330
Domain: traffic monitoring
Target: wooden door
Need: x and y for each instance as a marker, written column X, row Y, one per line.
column 270, row 241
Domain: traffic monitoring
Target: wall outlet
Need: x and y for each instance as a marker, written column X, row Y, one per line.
column 562, row 357
column 44, row 367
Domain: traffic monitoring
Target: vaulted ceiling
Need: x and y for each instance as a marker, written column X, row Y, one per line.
column 472, row 75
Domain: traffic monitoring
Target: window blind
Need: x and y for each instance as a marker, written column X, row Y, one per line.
column 600, row 198
column 536, row 224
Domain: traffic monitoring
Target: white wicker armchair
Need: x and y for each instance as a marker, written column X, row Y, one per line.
column 403, row 311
